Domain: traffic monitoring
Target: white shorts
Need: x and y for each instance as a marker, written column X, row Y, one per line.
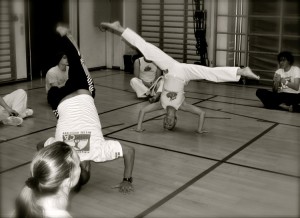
column 174, row 99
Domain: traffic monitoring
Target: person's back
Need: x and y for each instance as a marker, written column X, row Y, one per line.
column 78, row 112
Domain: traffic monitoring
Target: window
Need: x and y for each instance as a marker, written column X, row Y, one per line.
column 7, row 64
column 252, row 33
column 169, row 25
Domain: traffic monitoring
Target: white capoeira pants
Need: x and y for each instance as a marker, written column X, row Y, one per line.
column 79, row 126
column 17, row 100
column 141, row 90
column 181, row 71
column 184, row 71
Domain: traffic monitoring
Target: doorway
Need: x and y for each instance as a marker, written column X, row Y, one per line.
column 42, row 19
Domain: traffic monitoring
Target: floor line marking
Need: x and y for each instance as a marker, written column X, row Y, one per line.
column 198, row 177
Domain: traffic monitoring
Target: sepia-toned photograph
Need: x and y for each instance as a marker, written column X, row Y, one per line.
column 150, row 108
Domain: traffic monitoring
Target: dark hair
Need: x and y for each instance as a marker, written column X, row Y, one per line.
column 170, row 108
column 287, row 55
column 171, row 127
column 58, row 57
column 49, row 168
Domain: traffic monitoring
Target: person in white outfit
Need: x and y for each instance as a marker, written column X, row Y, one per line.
column 177, row 76
column 148, row 80
column 13, row 108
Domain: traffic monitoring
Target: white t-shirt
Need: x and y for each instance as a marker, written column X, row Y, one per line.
column 290, row 75
column 173, row 92
column 56, row 213
column 56, row 76
column 147, row 70
column 79, row 126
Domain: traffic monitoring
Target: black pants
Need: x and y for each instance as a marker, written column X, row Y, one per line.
column 272, row 100
column 77, row 77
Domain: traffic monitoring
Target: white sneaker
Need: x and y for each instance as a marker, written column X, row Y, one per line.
column 12, row 121
column 29, row 112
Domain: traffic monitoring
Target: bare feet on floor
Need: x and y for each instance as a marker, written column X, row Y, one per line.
column 13, row 121
column 289, row 108
column 28, row 113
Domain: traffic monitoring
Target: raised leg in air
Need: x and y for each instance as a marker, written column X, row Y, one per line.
column 115, row 26
column 247, row 72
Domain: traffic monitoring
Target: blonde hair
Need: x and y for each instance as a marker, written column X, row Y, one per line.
column 49, row 168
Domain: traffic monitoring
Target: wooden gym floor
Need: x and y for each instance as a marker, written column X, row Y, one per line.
column 246, row 166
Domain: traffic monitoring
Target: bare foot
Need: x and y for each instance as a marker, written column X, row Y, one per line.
column 286, row 107
column 116, row 26
column 12, row 121
column 247, row 72
column 62, row 30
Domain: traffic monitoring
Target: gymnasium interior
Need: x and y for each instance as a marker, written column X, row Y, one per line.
column 247, row 165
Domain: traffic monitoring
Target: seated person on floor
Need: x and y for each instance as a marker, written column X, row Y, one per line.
column 13, row 108
column 286, row 85
column 58, row 75
column 147, row 81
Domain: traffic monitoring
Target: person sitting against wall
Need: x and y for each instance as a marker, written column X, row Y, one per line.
column 13, row 108
column 285, row 92
column 58, row 75
column 147, row 81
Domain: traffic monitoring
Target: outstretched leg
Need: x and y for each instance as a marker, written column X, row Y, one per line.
column 149, row 51
column 78, row 75
column 115, row 26
column 247, row 72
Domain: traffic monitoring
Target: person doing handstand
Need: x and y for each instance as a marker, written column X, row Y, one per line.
column 177, row 76
column 78, row 122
